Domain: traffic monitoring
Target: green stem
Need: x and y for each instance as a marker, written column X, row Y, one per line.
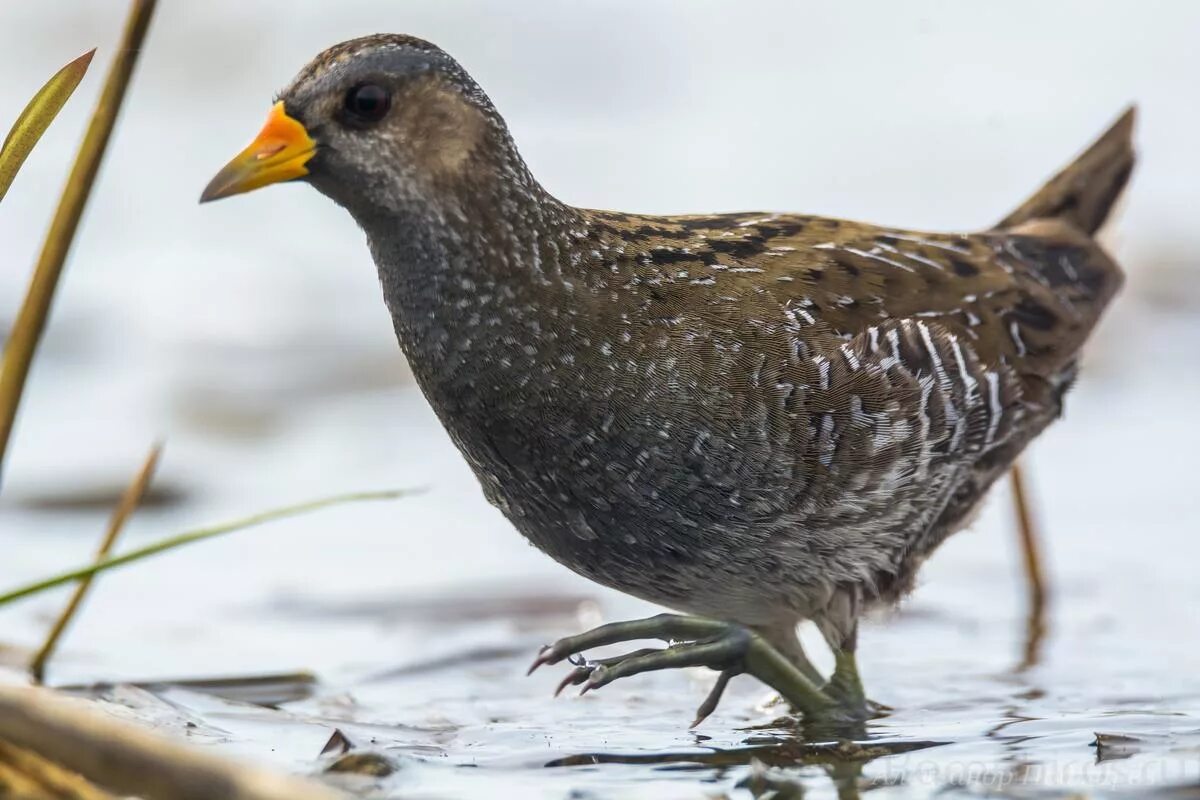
column 193, row 536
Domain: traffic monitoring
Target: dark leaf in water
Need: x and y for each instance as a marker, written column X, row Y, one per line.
column 375, row 765
column 337, row 745
column 260, row 690
column 1110, row 746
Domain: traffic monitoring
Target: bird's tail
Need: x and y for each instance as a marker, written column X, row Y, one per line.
column 1083, row 194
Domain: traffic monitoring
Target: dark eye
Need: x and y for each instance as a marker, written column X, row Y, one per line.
column 367, row 102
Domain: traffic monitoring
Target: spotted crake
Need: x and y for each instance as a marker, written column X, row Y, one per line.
column 757, row 418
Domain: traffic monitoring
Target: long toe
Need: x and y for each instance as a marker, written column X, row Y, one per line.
column 666, row 627
column 726, row 647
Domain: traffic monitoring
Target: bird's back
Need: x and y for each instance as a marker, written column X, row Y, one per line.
column 1028, row 295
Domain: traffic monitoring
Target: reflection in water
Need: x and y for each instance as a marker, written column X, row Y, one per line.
column 782, row 752
column 842, row 760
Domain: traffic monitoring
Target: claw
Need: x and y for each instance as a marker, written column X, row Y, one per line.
column 543, row 657
column 714, row 697
column 584, row 668
column 726, row 647
column 575, row 677
column 597, row 678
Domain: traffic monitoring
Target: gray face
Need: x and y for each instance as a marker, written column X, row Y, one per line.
column 396, row 121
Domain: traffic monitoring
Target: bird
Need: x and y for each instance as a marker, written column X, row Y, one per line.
column 753, row 419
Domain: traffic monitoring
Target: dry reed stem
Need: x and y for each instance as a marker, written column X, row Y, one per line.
column 130, row 761
column 130, row 500
column 25, row 775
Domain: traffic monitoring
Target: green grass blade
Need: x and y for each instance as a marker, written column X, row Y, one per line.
column 192, row 537
column 36, row 118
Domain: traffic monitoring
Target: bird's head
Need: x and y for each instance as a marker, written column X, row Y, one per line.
column 379, row 124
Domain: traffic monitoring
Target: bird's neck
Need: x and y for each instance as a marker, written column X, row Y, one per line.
column 482, row 285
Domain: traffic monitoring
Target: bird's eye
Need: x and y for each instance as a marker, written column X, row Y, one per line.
column 367, row 102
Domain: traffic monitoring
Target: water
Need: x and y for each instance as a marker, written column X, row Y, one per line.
column 250, row 335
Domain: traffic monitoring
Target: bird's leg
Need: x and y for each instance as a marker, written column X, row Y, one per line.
column 844, row 685
column 726, row 647
column 784, row 639
column 839, row 625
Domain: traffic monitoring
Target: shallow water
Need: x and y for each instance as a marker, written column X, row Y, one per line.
column 250, row 336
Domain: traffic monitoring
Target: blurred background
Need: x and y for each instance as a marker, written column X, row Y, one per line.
column 250, row 335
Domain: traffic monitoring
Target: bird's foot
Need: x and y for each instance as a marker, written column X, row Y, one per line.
column 726, row 647
column 845, row 688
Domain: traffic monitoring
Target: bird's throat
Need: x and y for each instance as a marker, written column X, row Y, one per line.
column 482, row 293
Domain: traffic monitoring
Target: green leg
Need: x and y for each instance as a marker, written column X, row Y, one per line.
column 845, row 685
column 729, row 648
column 784, row 639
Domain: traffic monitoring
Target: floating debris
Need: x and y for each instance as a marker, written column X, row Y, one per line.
column 338, row 744
column 259, row 690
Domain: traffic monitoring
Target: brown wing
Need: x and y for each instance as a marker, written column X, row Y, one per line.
column 1026, row 297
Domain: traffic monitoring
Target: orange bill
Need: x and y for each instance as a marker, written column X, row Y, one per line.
column 278, row 153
